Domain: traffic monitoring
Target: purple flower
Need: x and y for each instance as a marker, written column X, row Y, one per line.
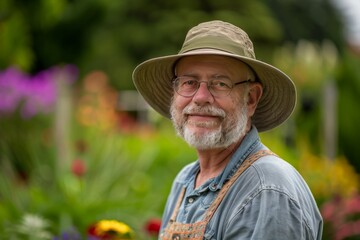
column 70, row 234
column 12, row 89
column 32, row 95
column 40, row 94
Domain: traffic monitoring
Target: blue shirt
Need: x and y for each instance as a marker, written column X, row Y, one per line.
column 270, row 200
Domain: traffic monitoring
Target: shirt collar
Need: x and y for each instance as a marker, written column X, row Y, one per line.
column 250, row 142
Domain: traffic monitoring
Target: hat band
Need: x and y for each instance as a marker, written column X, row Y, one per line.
column 215, row 42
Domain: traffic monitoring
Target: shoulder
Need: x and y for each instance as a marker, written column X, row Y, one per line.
column 271, row 194
column 272, row 171
column 270, row 179
column 270, row 175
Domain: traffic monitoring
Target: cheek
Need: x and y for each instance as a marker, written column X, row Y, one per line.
column 234, row 104
column 180, row 102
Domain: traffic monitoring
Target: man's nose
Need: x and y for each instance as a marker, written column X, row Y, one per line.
column 203, row 94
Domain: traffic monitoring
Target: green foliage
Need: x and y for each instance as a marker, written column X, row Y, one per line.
column 15, row 46
column 38, row 34
column 348, row 82
column 114, row 36
column 148, row 29
column 128, row 177
column 308, row 19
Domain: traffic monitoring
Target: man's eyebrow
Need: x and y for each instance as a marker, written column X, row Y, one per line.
column 220, row 76
column 189, row 75
column 213, row 76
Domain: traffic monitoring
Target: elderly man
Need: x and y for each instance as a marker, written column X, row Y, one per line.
column 219, row 97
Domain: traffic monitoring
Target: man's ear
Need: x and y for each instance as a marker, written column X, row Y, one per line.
column 255, row 93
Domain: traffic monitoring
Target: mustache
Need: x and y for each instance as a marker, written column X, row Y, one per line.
column 206, row 110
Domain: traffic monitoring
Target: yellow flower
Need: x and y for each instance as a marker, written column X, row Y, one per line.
column 111, row 230
column 105, row 226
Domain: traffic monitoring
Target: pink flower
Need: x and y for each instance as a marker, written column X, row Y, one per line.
column 78, row 167
column 342, row 217
column 350, row 229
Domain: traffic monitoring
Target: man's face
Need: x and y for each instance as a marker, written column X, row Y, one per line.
column 205, row 121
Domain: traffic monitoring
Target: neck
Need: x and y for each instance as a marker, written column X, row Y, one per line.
column 213, row 161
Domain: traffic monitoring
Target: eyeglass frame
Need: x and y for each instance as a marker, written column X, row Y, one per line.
column 208, row 85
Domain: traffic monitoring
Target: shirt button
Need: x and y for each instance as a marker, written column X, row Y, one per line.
column 191, row 200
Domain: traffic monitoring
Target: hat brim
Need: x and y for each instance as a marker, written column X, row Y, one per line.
column 153, row 79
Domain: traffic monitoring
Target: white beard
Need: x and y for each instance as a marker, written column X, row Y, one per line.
column 232, row 128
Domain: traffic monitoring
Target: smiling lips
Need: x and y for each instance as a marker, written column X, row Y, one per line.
column 202, row 117
column 208, row 116
column 203, row 121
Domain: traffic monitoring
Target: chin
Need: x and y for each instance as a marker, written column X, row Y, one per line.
column 204, row 138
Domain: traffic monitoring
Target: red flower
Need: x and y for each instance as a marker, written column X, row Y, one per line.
column 78, row 167
column 91, row 230
column 152, row 226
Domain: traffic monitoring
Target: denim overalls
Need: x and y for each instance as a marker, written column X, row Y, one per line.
column 195, row 231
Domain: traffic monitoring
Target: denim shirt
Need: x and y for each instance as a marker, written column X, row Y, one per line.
column 270, row 200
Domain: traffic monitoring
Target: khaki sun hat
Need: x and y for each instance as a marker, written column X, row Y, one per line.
column 153, row 78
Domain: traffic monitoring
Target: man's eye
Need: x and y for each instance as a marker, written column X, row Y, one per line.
column 221, row 84
column 189, row 83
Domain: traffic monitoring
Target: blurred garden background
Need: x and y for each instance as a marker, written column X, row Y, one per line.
column 80, row 149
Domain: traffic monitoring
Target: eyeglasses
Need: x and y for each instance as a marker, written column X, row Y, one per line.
column 218, row 87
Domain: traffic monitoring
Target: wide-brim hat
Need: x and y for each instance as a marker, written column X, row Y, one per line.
column 153, row 78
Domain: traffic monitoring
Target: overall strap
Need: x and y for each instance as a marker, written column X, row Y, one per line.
column 177, row 206
column 247, row 163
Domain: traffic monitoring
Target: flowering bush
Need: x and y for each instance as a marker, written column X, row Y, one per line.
column 115, row 169
column 27, row 106
column 33, row 226
column 327, row 178
column 342, row 218
column 32, row 95
column 96, row 105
